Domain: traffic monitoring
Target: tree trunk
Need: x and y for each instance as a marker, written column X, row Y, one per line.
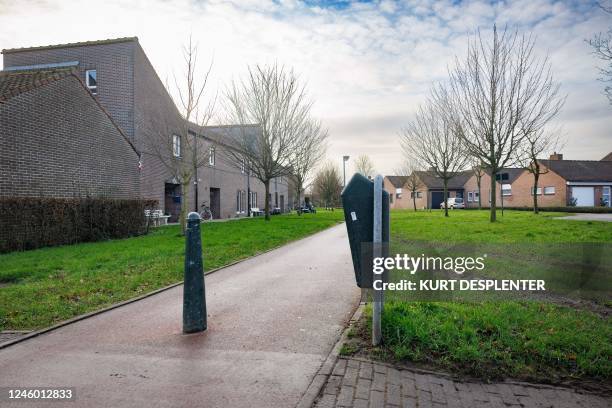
column 414, row 199
column 299, row 210
column 536, row 176
column 267, row 200
column 493, row 216
column 479, row 199
column 184, row 195
column 446, row 197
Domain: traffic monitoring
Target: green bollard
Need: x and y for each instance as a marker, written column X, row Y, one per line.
column 194, row 298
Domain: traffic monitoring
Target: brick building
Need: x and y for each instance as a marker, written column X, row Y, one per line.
column 584, row 183
column 119, row 75
column 51, row 129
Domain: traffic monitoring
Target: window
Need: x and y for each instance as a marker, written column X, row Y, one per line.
column 605, row 196
column 176, row 145
column 253, row 199
column 91, row 80
column 476, row 196
column 243, row 166
column 418, row 194
column 211, row 156
column 240, row 202
column 506, row 189
column 549, row 190
column 398, row 193
column 470, row 196
column 538, row 192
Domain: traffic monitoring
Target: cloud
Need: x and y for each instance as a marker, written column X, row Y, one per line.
column 367, row 64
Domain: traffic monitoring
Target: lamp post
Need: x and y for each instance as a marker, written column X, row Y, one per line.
column 344, row 160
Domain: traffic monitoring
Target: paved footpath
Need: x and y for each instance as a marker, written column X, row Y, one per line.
column 272, row 321
column 362, row 384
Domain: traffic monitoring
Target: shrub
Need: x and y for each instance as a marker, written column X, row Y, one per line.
column 32, row 222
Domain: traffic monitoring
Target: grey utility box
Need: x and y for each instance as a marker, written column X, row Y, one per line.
column 358, row 204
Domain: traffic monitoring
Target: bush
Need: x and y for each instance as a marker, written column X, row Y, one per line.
column 29, row 223
column 593, row 210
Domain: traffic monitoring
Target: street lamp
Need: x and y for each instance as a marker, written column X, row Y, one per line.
column 344, row 160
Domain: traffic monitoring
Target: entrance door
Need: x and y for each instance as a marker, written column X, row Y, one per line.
column 585, row 196
column 172, row 201
column 215, row 202
column 437, row 197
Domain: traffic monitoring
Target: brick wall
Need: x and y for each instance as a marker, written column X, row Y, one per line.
column 405, row 201
column 521, row 191
column 115, row 76
column 57, row 142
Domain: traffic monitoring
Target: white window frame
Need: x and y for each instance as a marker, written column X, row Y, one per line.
column 538, row 191
column 548, row 188
column 211, row 155
column 243, row 166
column 470, row 197
column 92, row 88
column 176, row 145
column 608, row 194
column 506, row 190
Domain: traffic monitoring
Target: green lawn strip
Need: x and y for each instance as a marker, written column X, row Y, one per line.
column 41, row 287
column 525, row 340
column 529, row 340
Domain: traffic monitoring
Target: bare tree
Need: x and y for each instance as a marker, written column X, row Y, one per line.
column 272, row 97
column 534, row 145
column 500, row 89
column 311, row 149
column 432, row 138
column 364, row 166
column 602, row 48
column 328, row 185
column 412, row 181
column 479, row 170
column 171, row 135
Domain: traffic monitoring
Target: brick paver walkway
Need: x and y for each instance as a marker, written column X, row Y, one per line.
column 357, row 383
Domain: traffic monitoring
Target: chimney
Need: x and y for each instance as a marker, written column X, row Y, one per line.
column 556, row 156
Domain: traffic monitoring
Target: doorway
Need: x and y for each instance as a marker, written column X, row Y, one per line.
column 172, row 201
column 437, row 198
column 282, row 203
column 215, row 202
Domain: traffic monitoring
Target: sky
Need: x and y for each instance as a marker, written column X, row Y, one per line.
column 366, row 64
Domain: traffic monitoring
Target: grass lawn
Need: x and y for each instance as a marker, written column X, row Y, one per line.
column 41, row 287
column 529, row 340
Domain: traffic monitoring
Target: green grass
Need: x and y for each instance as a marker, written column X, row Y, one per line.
column 491, row 339
column 41, row 287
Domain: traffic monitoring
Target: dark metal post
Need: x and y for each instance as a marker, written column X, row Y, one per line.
column 248, row 172
column 194, row 299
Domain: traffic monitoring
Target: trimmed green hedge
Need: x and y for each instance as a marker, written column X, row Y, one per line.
column 29, row 223
column 592, row 210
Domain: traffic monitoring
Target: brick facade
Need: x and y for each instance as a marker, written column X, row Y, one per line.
column 135, row 97
column 51, row 146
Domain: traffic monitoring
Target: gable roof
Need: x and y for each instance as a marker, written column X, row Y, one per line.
column 13, row 83
column 69, row 45
column 432, row 181
column 397, row 181
column 607, row 157
column 513, row 174
column 581, row 170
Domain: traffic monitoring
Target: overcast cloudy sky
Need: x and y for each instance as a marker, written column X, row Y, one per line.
column 367, row 65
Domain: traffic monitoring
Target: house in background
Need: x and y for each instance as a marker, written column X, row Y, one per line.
column 122, row 80
column 429, row 194
column 583, row 183
column 58, row 141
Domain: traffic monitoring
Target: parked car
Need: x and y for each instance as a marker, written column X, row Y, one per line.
column 453, row 202
column 309, row 208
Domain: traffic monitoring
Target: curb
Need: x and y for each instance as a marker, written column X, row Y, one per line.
column 75, row 319
column 316, row 385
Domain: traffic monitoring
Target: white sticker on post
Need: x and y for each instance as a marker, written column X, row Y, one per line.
column 353, row 216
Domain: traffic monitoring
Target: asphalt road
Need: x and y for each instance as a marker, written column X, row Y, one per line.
column 272, row 320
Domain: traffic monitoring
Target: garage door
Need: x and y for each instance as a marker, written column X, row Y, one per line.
column 437, row 197
column 585, row 196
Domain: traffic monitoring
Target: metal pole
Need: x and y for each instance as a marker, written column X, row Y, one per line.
column 343, row 173
column 194, row 299
column 248, row 171
column 377, row 244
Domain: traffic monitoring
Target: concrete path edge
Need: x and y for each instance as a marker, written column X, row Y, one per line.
column 78, row 318
column 320, row 379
